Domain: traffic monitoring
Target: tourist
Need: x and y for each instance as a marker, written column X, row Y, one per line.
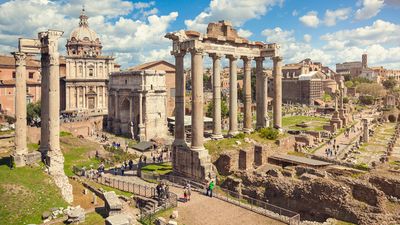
column 130, row 164
column 154, row 159
column 185, row 194
column 210, row 189
column 189, row 191
column 122, row 170
column 144, row 159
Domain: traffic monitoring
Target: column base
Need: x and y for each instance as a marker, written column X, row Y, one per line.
column 247, row 130
column 197, row 148
column 232, row 133
column 19, row 160
column 217, row 136
column 179, row 142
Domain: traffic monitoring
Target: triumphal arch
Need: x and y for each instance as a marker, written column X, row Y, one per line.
column 221, row 40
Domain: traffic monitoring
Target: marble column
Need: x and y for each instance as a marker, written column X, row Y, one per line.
column 248, row 117
column 277, row 73
column 179, row 99
column 217, row 130
column 116, row 122
column 197, row 100
column 20, row 109
column 233, row 99
column 260, row 108
column 142, row 135
column 44, row 108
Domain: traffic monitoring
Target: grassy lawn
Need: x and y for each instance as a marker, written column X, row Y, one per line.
column 6, row 132
column 33, row 147
column 25, row 194
column 161, row 169
column 76, row 151
column 216, row 147
column 314, row 123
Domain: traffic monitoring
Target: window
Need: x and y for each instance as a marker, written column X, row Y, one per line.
column 13, row 75
column 126, row 81
column 30, row 75
column 90, row 72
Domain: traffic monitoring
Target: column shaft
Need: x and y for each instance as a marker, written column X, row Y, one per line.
column 277, row 71
column 197, row 100
column 20, row 105
column 247, row 95
column 233, row 114
column 44, row 101
column 217, row 130
column 260, row 108
column 54, row 102
column 179, row 99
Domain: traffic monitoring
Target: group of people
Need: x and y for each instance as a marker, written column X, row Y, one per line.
column 124, row 166
column 187, row 192
column 162, row 190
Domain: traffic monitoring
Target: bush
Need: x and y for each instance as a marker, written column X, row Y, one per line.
column 10, row 119
column 366, row 100
column 269, row 133
column 239, row 136
column 345, row 100
column 362, row 166
column 65, row 134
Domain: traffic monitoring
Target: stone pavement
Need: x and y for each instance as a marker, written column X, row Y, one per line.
column 205, row 210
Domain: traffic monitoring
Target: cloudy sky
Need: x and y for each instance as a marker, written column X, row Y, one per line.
column 133, row 31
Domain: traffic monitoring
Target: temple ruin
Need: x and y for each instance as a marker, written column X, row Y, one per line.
column 47, row 46
column 220, row 40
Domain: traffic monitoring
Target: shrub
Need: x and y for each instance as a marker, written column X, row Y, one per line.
column 10, row 119
column 65, row 134
column 239, row 136
column 269, row 133
column 362, row 166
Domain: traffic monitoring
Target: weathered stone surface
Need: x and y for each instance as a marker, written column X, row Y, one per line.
column 389, row 185
column 112, row 203
column 75, row 214
column 302, row 169
column 227, row 163
column 246, row 158
column 161, row 221
column 119, row 219
column 46, row 215
column 174, row 214
column 172, row 222
column 274, row 173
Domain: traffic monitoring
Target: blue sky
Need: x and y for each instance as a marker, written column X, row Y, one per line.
column 132, row 31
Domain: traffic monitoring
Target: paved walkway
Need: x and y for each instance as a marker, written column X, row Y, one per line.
column 203, row 210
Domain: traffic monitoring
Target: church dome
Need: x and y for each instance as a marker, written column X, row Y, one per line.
column 83, row 32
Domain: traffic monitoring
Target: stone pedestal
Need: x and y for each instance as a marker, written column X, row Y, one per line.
column 194, row 164
column 365, row 130
column 336, row 120
column 343, row 117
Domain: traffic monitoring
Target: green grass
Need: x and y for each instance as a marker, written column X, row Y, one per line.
column 150, row 220
column 314, row 123
column 65, row 134
column 33, row 147
column 25, row 194
column 161, row 169
column 6, row 132
column 362, row 166
column 75, row 152
column 107, row 188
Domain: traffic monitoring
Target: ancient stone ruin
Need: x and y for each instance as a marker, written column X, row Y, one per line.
column 47, row 46
column 220, row 40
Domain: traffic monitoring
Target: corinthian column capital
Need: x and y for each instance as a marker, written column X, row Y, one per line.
column 277, row 58
column 197, row 51
column 20, row 58
column 232, row 57
column 215, row 56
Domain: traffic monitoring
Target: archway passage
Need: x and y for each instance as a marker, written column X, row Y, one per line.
column 124, row 116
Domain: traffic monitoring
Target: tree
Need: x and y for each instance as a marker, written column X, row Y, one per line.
column 32, row 112
column 224, row 109
column 326, row 97
column 389, row 84
column 349, row 84
column 375, row 90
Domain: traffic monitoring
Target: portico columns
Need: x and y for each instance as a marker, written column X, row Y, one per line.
column 247, row 128
column 20, row 109
column 277, row 73
column 197, row 100
column 217, row 134
column 260, row 114
column 179, row 99
column 233, row 118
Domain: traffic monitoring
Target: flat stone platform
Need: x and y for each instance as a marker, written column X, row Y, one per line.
column 296, row 160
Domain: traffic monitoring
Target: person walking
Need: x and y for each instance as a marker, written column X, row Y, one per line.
column 189, row 191
column 210, row 189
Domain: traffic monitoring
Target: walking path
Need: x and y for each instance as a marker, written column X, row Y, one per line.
column 202, row 209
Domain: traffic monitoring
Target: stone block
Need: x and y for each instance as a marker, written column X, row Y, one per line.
column 161, row 221
column 119, row 219
column 245, row 159
column 172, row 222
column 174, row 214
column 19, row 160
column 33, row 157
column 76, row 215
column 112, row 203
column 258, row 155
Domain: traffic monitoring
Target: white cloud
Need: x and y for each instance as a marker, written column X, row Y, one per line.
column 131, row 40
column 244, row 33
column 331, row 17
column 310, row 19
column 236, row 11
column 380, row 32
column 370, row 8
column 295, row 13
column 307, row 38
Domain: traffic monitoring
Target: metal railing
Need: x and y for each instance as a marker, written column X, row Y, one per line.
column 137, row 189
